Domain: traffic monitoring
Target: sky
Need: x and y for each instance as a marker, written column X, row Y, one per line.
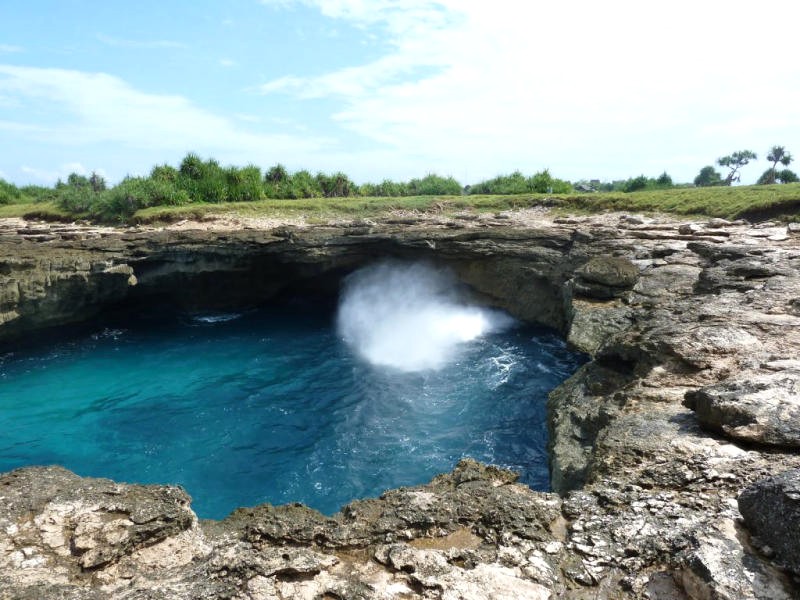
column 396, row 88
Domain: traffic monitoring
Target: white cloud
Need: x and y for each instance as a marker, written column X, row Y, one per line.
column 583, row 87
column 227, row 63
column 51, row 175
column 102, row 121
column 10, row 49
column 141, row 44
column 100, row 108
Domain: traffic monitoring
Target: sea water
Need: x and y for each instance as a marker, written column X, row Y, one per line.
column 276, row 405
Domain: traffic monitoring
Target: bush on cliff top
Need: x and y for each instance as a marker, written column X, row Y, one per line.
column 199, row 186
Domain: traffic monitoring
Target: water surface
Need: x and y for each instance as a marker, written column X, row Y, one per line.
column 272, row 406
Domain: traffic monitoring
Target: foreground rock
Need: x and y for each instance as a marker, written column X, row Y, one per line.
column 472, row 534
column 690, row 399
column 771, row 511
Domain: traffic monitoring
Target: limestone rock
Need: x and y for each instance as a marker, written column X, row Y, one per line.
column 605, row 277
column 593, row 323
column 578, row 413
column 649, row 487
column 719, row 568
column 771, row 511
column 761, row 408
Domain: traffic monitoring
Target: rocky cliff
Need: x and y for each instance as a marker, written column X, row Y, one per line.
column 691, row 398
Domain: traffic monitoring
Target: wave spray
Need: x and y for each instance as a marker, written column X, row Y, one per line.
column 410, row 316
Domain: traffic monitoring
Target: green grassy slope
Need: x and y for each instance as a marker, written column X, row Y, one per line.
column 750, row 202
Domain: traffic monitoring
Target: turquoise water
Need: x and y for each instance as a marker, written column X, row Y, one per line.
column 272, row 406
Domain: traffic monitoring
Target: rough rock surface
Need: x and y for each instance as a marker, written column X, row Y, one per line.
column 763, row 408
column 771, row 510
column 690, row 398
column 605, row 277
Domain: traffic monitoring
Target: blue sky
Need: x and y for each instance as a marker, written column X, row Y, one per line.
column 396, row 88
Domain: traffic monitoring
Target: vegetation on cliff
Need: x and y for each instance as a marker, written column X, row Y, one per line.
column 198, row 187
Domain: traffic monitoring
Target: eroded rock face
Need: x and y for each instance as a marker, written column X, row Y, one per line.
column 771, row 511
column 694, row 332
column 605, row 277
column 473, row 533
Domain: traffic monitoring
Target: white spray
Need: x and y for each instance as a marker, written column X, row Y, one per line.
column 409, row 316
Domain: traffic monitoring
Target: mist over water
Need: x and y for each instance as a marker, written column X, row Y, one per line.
column 410, row 316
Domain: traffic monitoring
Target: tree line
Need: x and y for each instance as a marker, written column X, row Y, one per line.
column 199, row 180
column 734, row 162
column 206, row 181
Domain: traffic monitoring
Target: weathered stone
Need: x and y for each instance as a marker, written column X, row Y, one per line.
column 610, row 271
column 593, row 323
column 655, row 487
column 719, row 568
column 716, row 223
column 689, row 228
column 761, row 408
column 771, row 511
column 578, row 412
column 605, row 277
column 97, row 523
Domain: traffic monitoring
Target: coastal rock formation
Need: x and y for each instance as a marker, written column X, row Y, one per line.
column 657, row 443
column 763, row 409
column 605, row 277
column 771, row 511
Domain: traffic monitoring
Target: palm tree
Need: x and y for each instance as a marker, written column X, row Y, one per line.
column 777, row 154
column 735, row 162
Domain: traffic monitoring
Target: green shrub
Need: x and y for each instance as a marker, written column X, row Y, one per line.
column 433, row 185
column 192, row 166
column 788, row 176
column 276, row 175
column 279, row 184
column 97, row 183
column 204, row 181
column 664, row 181
column 635, row 184
column 367, row 190
column 135, row 193
column 385, row 189
column 392, row 189
column 516, row 183
column 37, row 193
column 707, row 177
column 9, row 193
column 544, row 183
column 76, row 199
column 165, row 173
column 303, row 185
column 337, row 185
column 244, row 185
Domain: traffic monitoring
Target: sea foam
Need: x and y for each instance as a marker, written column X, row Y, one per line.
column 410, row 316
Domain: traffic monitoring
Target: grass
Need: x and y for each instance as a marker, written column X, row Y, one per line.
column 751, row 202
column 322, row 208
column 47, row 211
